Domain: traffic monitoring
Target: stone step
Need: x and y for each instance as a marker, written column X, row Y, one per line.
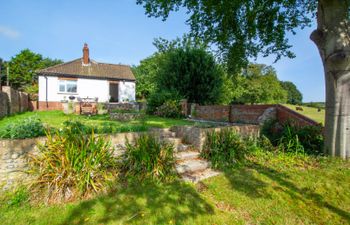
column 167, row 135
column 183, row 147
column 175, row 141
column 199, row 175
column 186, row 155
column 190, row 166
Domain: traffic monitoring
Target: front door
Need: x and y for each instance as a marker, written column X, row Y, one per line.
column 113, row 91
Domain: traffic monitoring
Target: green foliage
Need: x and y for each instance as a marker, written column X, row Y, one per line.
column 149, row 158
column 193, row 73
column 259, row 84
column 156, row 99
column 26, row 128
column 224, row 148
column 24, row 65
column 291, row 138
column 294, row 95
column 145, row 74
column 169, row 109
column 15, row 198
column 241, row 29
column 72, row 163
column 33, row 91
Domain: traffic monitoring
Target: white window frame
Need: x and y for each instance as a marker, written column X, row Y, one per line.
column 65, row 83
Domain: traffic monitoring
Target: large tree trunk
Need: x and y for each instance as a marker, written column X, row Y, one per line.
column 332, row 38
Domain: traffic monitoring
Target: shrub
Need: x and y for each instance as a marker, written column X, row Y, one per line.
column 225, row 148
column 72, row 164
column 76, row 127
column 170, row 109
column 149, row 158
column 32, row 91
column 27, row 128
column 291, row 138
column 158, row 98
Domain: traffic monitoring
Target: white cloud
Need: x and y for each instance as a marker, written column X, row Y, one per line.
column 9, row 32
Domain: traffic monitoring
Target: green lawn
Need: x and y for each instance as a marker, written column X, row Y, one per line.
column 310, row 112
column 56, row 119
column 269, row 189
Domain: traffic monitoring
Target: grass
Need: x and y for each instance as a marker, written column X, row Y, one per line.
column 56, row 118
column 310, row 112
column 268, row 189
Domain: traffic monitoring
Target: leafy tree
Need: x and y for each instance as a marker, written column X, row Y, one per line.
column 294, row 95
column 244, row 28
column 193, row 73
column 260, row 85
column 145, row 74
column 24, row 65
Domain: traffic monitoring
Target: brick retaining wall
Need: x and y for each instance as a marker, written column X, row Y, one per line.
column 211, row 112
column 285, row 114
column 250, row 114
column 43, row 106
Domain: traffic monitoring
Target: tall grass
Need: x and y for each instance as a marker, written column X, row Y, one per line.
column 225, row 148
column 73, row 164
column 149, row 158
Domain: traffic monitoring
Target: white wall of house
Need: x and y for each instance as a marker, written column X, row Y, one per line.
column 85, row 88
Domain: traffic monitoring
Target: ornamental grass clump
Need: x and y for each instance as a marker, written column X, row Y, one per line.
column 225, row 148
column 72, row 164
column 149, row 159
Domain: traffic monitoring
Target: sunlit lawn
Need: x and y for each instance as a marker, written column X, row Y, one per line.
column 56, row 119
column 310, row 112
column 270, row 189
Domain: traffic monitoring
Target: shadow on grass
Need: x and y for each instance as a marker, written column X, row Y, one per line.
column 245, row 180
column 154, row 203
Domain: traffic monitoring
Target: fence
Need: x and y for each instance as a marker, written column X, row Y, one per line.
column 13, row 101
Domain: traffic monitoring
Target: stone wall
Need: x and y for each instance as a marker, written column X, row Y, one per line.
column 122, row 106
column 4, row 104
column 14, row 155
column 196, row 136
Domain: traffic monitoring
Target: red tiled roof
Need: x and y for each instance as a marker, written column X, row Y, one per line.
column 96, row 70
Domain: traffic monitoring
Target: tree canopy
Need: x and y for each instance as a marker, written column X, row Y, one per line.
column 294, row 96
column 24, row 65
column 193, row 73
column 241, row 29
column 259, row 84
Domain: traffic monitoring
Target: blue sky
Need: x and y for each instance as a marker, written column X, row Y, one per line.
column 118, row 31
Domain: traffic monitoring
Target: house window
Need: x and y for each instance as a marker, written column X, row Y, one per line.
column 67, row 86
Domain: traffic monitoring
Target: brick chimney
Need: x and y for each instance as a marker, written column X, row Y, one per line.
column 86, row 59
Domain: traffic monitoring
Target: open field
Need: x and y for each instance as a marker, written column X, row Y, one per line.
column 271, row 188
column 310, row 112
